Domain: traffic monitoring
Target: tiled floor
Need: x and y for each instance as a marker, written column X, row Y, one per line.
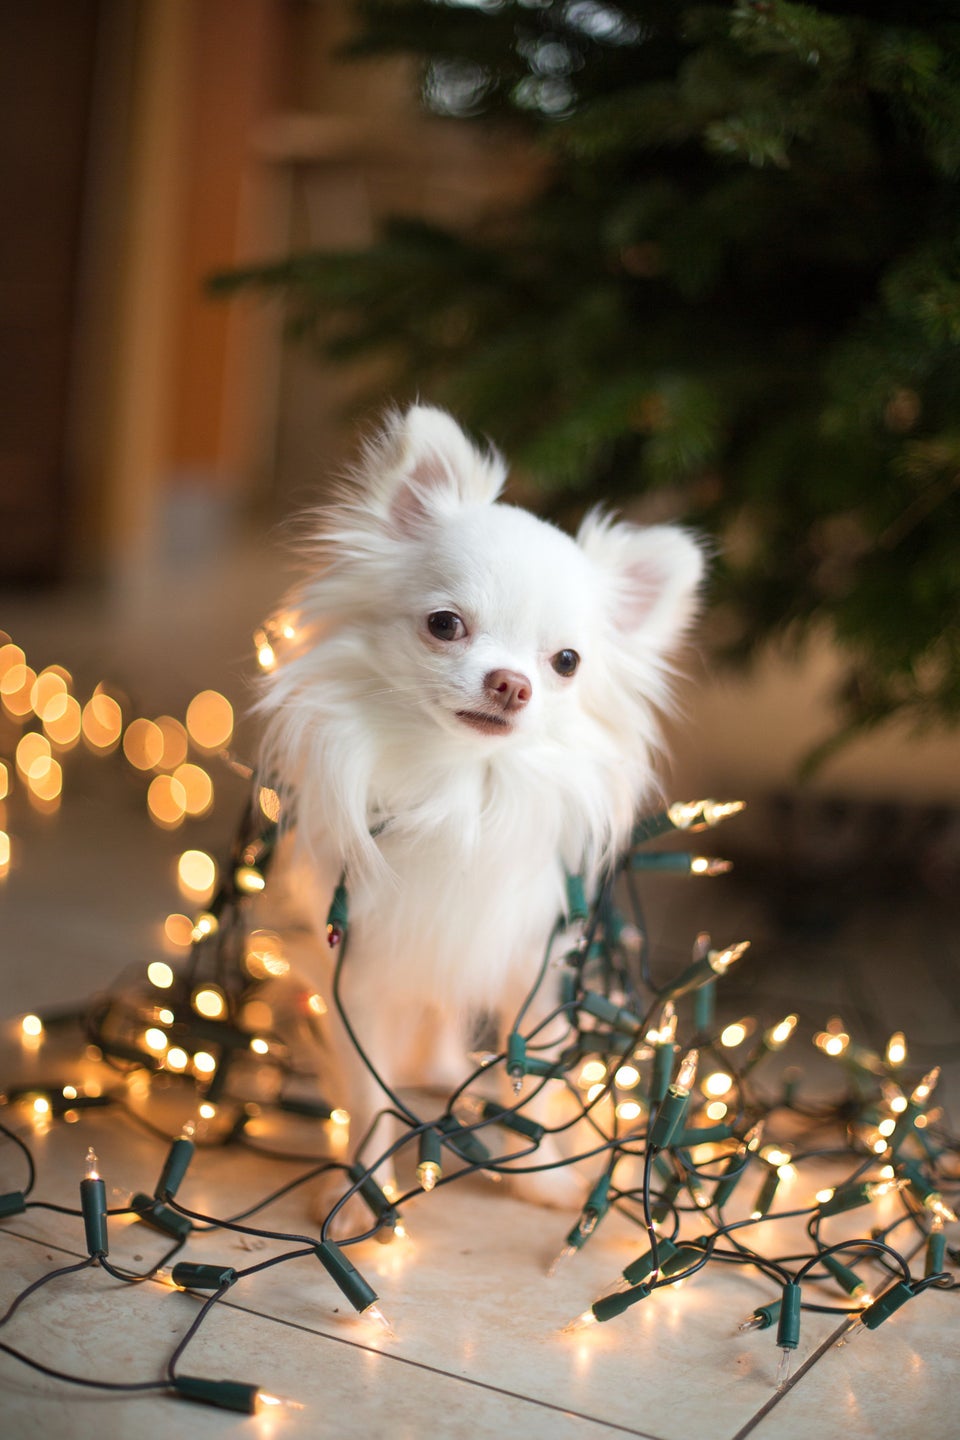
column 478, row 1350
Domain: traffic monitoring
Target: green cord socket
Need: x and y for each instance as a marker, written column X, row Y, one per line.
column 638, row 1270
column 704, row 1006
column 347, row 1277
column 669, row 1119
column 374, row 1196
column 889, row 1302
column 13, row 1203
column 617, row 1301
column 766, row 1194
column 766, row 1315
column 192, row 1276
column 663, row 1061
column 93, row 1205
column 616, row 1016
column 160, row 1217
column 520, row 1124
column 225, row 1394
column 936, row 1253
column 338, row 915
column 174, row 1168
column 467, row 1146
column 788, row 1326
column 516, row 1055
column 846, row 1278
column 730, row 1177
column 576, row 899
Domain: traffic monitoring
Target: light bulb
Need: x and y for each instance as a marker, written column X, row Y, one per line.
column 375, row 1315
column 582, row 1322
column 925, row 1089
column 720, row 961
column 91, row 1164
column 778, row 1035
column 896, row 1048
column 687, row 1073
column 428, row 1173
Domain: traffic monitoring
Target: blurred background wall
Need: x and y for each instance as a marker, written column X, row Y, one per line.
column 145, row 145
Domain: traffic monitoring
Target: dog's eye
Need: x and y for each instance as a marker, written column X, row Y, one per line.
column 565, row 662
column 444, row 625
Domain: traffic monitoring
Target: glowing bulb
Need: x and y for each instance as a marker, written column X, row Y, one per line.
column 582, row 1322
column 248, row 879
column 177, row 1059
column 143, row 744
column 716, row 1110
column 720, row 961
column 822, row 1196
column 716, row 1084
column 595, row 1092
column 69, row 1092
column 339, row 1116
column 196, row 873
column 887, row 1127
column 204, row 1063
column 627, row 1077
column 428, row 1173
column 259, row 1046
column 374, row 1313
column 101, row 722
column 160, row 974
column 733, row 1035
column 210, row 720
column 32, row 1026
column 166, row 1017
column 206, row 1111
column 166, row 801
column 41, row 1106
column 91, row 1164
column 204, row 925
column 927, row 1085
column 939, row 1209
column 702, row 814
column 209, row 1002
column 265, row 1401
column 687, row 1073
column 178, row 930
column 155, row 1039
column 629, row 1110
column 709, row 865
column 896, row 1048
column 317, row 1004
column 775, row 1156
column 666, row 1034
column 778, row 1035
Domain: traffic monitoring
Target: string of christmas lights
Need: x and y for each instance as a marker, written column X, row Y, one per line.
column 673, row 1133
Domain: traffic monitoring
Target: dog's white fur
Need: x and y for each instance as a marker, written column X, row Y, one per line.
column 452, row 900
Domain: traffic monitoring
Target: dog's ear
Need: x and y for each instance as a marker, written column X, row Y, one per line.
column 426, row 466
column 653, row 575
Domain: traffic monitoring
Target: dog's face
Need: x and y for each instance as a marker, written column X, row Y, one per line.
column 497, row 627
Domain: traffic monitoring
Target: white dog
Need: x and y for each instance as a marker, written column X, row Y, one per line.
column 467, row 714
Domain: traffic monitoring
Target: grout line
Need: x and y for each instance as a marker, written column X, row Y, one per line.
column 611, row 1425
column 779, row 1395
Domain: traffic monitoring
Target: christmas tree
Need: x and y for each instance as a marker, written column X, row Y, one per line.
column 738, row 285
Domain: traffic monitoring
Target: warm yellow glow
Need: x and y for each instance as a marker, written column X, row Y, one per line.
column 63, row 727
column 733, row 1035
column 317, row 1004
column 831, row 1043
column 266, row 655
column 880, row 1146
column 339, row 1116
column 716, row 1084
column 595, row 1092
column 257, row 1015
column 887, row 1172
column 69, row 1092
column 206, row 1111
column 31, row 1025
column 259, row 1046
column 166, row 801
column 209, row 1001
column 627, row 1077
column 4, row 853
column 15, row 690
column 898, row 1103
column 166, row 1017
column 174, row 738
column 197, row 788
column 265, row 957
column 720, row 961
column 143, row 744
column 822, row 1196
column 205, row 924
column 592, row 1072
column 31, row 748
column 709, row 865
column 428, row 1173
column 778, row 1035
column 667, row 1030
column 41, row 1106
column 46, row 692
column 11, row 656
column 176, row 1058
column 927, row 1085
column 45, row 779
column 155, row 1039
column 248, row 879
column 196, row 874
column 269, row 803
column 178, row 929
column 897, row 1048
column 204, row 1063
column 4, row 781
column 629, row 1110
column 716, row 1110
column 775, row 1156
column 160, row 974
column 101, row 722
column 887, row 1127
column 210, row 720
column 687, row 1072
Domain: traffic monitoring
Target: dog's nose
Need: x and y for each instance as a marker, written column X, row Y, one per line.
column 508, row 688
